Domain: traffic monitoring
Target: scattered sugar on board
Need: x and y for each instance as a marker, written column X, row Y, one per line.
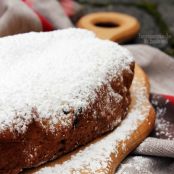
column 163, row 127
column 51, row 71
column 97, row 156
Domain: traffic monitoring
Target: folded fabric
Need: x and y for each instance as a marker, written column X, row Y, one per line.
column 52, row 11
column 155, row 155
column 158, row 65
column 16, row 17
column 156, row 147
column 19, row 16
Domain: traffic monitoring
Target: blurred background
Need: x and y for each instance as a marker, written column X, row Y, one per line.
column 155, row 16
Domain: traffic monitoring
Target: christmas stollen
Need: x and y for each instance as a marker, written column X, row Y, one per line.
column 105, row 154
column 58, row 91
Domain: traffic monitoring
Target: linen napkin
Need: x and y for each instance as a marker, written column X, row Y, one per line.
column 155, row 155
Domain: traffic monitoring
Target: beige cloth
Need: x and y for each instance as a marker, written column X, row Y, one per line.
column 154, row 155
column 156, row 147
column 146, row 165
column 158, row 65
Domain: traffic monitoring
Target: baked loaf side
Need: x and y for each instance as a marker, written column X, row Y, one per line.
column 62, row 90
column 105, row 154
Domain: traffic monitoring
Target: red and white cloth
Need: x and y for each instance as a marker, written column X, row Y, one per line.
column 19, row 16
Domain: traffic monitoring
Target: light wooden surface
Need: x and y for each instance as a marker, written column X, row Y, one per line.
column 136, row 137
column 126, row 28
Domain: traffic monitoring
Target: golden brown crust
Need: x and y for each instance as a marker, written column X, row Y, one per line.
column 39, row 145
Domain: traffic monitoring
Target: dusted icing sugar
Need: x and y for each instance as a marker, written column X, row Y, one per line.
column 51, row 71
column 96, row 157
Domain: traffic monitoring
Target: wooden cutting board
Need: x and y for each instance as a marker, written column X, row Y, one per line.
column 106, row 153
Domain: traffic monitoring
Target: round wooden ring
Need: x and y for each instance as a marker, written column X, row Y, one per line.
column 110, row 25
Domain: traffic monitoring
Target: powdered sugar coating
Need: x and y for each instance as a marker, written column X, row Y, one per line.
column 51, row 71
column 97, row 156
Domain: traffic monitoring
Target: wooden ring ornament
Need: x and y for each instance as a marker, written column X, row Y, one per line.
column 111, row 25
